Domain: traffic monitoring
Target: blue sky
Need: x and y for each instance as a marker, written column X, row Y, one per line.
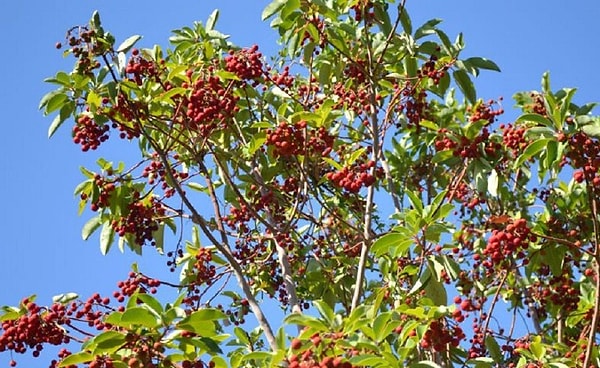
column 41, row 248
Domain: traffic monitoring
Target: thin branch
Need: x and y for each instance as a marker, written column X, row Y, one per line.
column 221, row 247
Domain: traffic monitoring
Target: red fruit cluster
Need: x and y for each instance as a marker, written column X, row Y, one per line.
column 464, row 147
column 508, row 243
column 429, row 70
column 246, row 63
column 105, row 190
column 364, row 9
column 90, row 312
column 353, row 178
column 283, row 79
column 514, row 138
column 203, row 269
column 440, row 337
column 141, row 220
column 155, row 171
column 414, row 105
column 140, row 68
column 584, row 155
column 209, row 104
column 135, row 283
column 36, row 327
column 537, row 106
column 356, row 71
column 484, row 111
column 357, row 101
column 85, row 46
column 299, row 139
column 88, row 133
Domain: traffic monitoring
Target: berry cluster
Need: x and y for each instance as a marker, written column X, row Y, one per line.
column 34, row 328
column 464, row 147
column 364, row 9
column 311, row 359
column 514, row 138
column 484, row 111
column 246, row 63
column 429, row 70
column 155, row 171
column 140, row 68
column 105, row 190
column 283, row 79
column 414, row 105
column 439, row 336
column 349, row 98
column 537, row 105
column 505, row 244
column 209, row 104
column 135, row 283
column 356, row 71
column 584, row 155
column 354, row 177
column 85, row 46
column 298, row 139
column 88, row 133
column 140, row 219
column 203, row 269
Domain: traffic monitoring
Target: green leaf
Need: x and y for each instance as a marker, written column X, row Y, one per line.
column 531, row 150
column 389, row 244
column 465, row 85
column 325, row 311
column 592, row 130
column 212, row 20
column 424, row 364
column 427, row 28
column 492, row 345
column 64, row 298
column 77, row 358
column 415, row 201
column 482, row 63
column 106, row 237
column 126, row 45
column 306, row 320
column 202, row 321
column 537, row 348
column 92, row 225
column 150, row 302
column 492, row 183
column 107, row 342
column 140, row 316
column 272, row 8
column 536, row 118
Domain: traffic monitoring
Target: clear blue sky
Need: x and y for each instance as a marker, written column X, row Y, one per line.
column 41, row 247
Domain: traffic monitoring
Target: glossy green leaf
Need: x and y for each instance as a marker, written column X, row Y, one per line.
column 593, row 130
column 531, row 150
column 465, row 85
column 492, row 345
column 427, row 28
column 128, row 43
column 389, row 243
column 212, row 20
column 140, row 316
column 76, row 358
column 90, row 227
column 107, row 342
column 272, row 8
column 106, row 238
column 64, row 298
column 306, row 320
column 483, row 63
column 536, row 118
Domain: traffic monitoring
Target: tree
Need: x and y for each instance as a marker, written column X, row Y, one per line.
column 392, row 219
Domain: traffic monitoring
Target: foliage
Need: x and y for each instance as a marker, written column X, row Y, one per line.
column 356, row 180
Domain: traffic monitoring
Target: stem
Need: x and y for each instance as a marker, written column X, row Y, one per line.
column 375, row 154
column 596, row 316
column 221, row 247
